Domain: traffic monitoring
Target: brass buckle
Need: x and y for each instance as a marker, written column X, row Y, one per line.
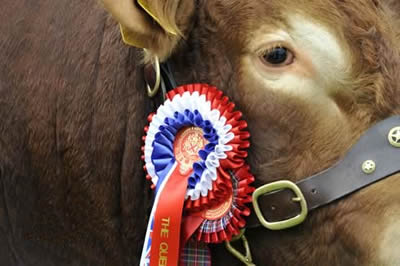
column 275, row 186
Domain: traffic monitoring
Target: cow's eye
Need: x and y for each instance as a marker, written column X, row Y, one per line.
column 278, row 56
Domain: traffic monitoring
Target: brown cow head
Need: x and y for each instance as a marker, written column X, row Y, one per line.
column 310, row 76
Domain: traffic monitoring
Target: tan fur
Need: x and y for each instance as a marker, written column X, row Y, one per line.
column 174, row 15
column 294, row 137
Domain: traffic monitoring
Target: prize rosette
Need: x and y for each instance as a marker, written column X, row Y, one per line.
column 194, row 153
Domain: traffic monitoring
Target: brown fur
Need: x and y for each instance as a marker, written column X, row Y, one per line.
column 73, row 108
column 293, row 139
column 72, row 189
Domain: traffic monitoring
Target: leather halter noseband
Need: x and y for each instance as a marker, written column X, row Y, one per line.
column 374, row 157
column 284, row 204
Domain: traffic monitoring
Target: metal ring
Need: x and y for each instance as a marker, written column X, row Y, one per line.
column 151, row 92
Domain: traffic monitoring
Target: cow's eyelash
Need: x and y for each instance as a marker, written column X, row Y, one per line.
column 271, row 48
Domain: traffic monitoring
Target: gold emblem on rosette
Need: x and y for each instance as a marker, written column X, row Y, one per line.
column 188, row 142
column 218, row 211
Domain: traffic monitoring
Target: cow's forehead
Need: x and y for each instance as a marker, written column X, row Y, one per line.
column 273, row 11
column 244, row 19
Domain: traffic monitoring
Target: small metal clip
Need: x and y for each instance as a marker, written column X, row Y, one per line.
column 246, row 259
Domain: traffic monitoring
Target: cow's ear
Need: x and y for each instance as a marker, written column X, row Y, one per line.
column 156, row 25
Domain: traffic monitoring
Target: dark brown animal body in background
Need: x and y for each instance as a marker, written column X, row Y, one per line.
column 73, row 108
column 72, row 187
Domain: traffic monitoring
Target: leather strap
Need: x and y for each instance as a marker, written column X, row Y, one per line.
column 340, row 180
column 167, row 76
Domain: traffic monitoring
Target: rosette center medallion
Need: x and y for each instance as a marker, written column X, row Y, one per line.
column 189, row 141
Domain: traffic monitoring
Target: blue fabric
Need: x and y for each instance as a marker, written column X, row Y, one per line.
column 163, row 146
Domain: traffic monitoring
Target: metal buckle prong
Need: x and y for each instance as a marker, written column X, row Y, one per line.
column 276, row 186
column 296, row 199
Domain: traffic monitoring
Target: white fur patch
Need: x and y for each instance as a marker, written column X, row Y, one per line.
column 389, row 247
column 319, row 43
column 320, row 62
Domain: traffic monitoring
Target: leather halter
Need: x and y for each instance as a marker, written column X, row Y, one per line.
column 373, row 158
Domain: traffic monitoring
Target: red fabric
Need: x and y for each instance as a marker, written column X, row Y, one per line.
column 167, row 223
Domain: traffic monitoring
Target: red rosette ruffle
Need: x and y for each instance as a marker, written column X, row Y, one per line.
column 222, row 187
column 230, row 224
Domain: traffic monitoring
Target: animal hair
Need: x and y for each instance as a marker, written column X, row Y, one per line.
column 175, row 16
column 165, row 12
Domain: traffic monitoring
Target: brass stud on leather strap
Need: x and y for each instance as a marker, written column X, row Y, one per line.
column 394, row 137
column 369, row 167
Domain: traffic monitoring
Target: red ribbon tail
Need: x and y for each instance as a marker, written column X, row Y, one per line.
column 189, row 226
